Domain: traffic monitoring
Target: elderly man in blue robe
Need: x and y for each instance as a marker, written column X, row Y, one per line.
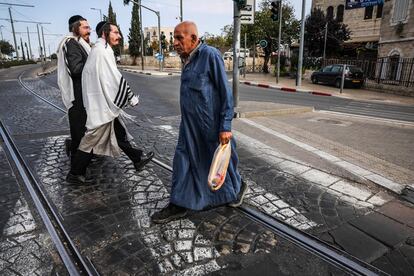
column 206, row 104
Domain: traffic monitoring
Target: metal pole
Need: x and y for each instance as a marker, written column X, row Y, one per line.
column 342, row 78
column 100, row 14
column 1, row 32
column 142, row 36
column 254, row 55
column 40, row 44
column 245, row 60
column 27, row 51
column 181, row 10
column 279, row 40
column 236, row 52
column 302, row 36
column 14, row 35
column 44, row 46
column 21, row 45
column 324, row 44
column 30, row 45
column 159, row 40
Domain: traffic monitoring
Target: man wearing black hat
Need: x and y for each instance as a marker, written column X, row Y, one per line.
column 72, row 54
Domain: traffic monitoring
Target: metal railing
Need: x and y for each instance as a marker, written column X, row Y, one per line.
column 391, row 70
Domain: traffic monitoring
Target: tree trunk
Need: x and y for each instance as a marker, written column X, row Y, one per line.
column 265, row 63
column 134, row 60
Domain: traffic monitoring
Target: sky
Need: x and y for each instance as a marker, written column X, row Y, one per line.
column 209, row 15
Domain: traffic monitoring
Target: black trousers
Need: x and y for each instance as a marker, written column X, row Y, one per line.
column 77, row 121
column 81, row 159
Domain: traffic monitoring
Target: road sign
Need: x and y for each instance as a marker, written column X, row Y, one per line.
column 263, row 43
column 247, row 12
column 159, row 57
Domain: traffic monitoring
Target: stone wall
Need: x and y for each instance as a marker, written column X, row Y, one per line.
column 391, row 41
column 361, row 30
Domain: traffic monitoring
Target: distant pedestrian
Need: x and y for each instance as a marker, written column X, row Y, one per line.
column 72, row 54
column 206, row 114
column 105, row 93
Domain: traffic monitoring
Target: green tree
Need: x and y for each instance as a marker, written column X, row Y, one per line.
column 111, row 18
column 134, row 37
column 264, row 28
column 315, row 34
column 6, row 48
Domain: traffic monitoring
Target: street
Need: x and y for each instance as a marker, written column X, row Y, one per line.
column 286, row 160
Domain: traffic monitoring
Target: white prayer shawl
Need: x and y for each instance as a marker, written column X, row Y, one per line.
column 63, row 75
column 105, row 92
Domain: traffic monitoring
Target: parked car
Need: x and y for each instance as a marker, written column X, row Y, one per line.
column 332, row 74
column 229, row 54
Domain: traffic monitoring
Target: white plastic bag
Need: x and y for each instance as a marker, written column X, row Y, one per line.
column 218, row 168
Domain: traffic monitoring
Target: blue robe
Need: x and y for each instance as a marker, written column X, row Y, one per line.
column 206, row 103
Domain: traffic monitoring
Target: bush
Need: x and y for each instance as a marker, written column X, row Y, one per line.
column 8, row 64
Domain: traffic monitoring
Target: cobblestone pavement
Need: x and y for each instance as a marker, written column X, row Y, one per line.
column 25, row 246
column 109, row 219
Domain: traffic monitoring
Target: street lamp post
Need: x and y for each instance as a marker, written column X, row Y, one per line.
column 100, row 12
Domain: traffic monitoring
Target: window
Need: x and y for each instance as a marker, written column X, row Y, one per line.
column 329, row 13
column 368, row 12
column 340, row 13
column 379, row 11
column 400, row 10
column 327, row 68
column 337, row 68
column 394, row 62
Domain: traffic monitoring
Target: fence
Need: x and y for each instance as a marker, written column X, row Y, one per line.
column 391, row 70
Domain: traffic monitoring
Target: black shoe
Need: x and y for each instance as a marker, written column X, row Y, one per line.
column 240, row 196
column 76, row 179
column 169, row 213
column 68, row 145
column 145, row 158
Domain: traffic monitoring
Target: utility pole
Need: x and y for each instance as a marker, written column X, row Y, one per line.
column 40, row 44
column 245, row 57
column 279, row 40
column 30, row 46
column 21, row 45
column 27, row 51
column 181, row 10
column 236, row 53
column 14, row 34
column 142, row 35
column 324, row 44
column 302, row 36
column 1, row 32
column 44, row 46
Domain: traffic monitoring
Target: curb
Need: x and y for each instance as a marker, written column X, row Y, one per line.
column 47, row 72
column 149, row 73
column 285, row 89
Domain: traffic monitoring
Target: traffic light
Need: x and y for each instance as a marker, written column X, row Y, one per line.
column 163, row 42
column 240, row 3
column 275, row 10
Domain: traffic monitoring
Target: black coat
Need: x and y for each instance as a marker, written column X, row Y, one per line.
column 76, row 58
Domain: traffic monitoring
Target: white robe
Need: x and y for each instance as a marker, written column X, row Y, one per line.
column 63, row 74
column 105, row 92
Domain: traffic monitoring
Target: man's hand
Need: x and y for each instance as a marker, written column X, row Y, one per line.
column 225, row 136
column 134, row 101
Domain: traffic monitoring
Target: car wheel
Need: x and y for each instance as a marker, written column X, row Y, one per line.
column 314, row 80
column 338, row 83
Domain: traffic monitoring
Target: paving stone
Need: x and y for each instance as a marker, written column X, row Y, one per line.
column 383, row 229
column 399, row 212
column 358, row 243
column 320, row 177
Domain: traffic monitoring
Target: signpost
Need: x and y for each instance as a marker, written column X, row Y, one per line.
column 247, row 12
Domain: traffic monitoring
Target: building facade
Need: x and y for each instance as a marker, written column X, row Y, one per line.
column 397, row 29
column 151, row 33
column 364, row 23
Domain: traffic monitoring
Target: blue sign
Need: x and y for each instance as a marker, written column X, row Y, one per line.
column 159, row 57
column 263, row 43
column 356, row 4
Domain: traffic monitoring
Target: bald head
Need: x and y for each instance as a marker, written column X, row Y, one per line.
column 185, row 38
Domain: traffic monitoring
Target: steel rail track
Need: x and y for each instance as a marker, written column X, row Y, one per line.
column 71, row 257
column 336, row 257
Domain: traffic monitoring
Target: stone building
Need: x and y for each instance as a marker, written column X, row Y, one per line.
column 397, row 29
column 151, row 33
column 364, row 24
